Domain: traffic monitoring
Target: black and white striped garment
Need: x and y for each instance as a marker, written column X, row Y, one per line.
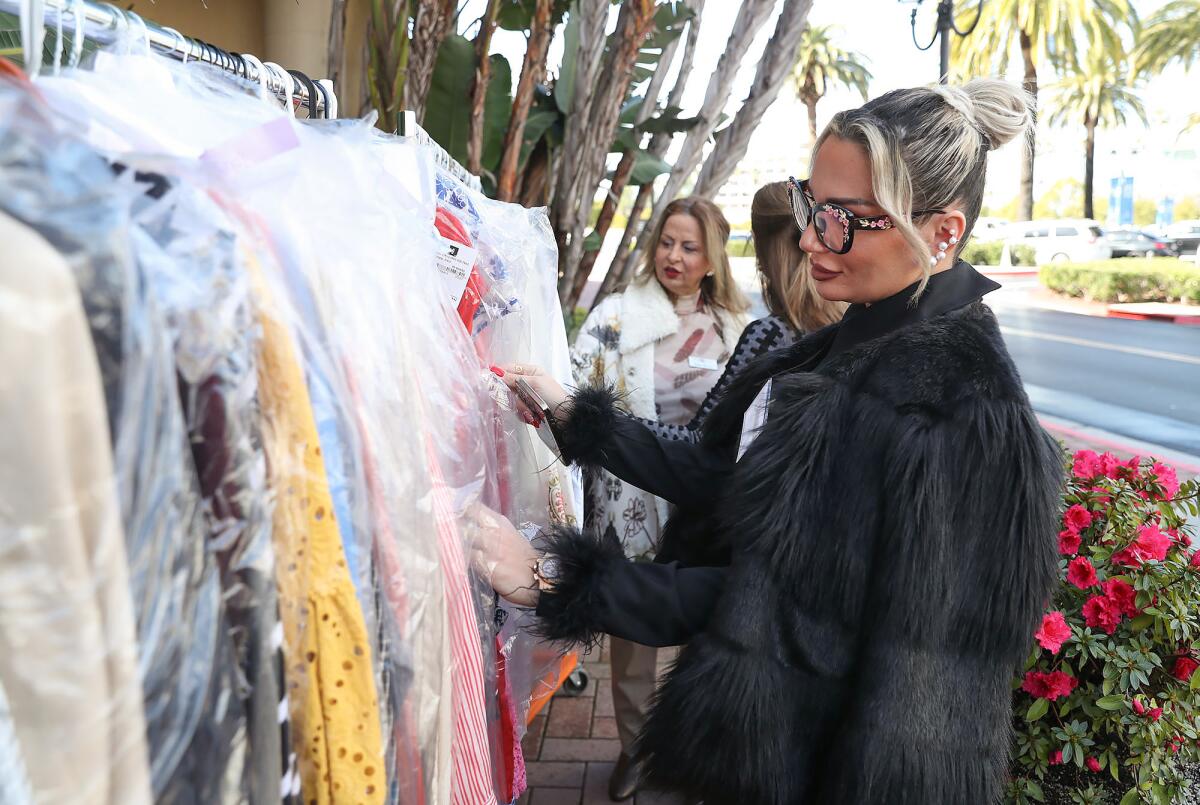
column 760, row 337
column 289, row 787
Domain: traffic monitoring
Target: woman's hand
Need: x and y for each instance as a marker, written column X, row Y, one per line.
column 546, row 386
column 505, row 558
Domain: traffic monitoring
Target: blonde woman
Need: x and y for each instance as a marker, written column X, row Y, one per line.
column 789, row 292
column 661, row 344
column 889, row 497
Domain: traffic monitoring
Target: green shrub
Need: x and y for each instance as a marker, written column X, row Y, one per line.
column 1024, row 255
column 1136, row 280
column 989, row 253
column 1109, row 700
column 986, row 253
column 574, row 320
column 740, row 248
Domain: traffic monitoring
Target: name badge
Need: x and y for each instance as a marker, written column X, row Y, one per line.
column 703, row 363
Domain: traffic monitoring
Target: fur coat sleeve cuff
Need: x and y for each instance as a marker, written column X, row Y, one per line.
column 591, row 416
column 574, row 612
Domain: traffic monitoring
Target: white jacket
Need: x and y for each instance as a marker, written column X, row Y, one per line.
column 615, row 347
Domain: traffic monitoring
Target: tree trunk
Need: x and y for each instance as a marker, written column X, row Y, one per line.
column 635, row 21
column 603, row 222
column 534, row 187
column 1025, row 208
column 621, row 177
column 532, row 70
column 592, row 16
column 335, row 54
column 773, row 70
column 689, row 55
column 1089, row 168
column 752, row 14
column 622, row 266
column 432, row 23
column 387, row 66
column 483, row 74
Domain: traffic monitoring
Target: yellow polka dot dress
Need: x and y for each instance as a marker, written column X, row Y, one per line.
column 331, row 686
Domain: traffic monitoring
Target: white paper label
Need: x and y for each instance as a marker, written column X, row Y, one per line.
column 454, row 263
column 697, row 362
column 754, row 419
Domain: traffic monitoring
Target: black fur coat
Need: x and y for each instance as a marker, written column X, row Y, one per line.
column 892, row 533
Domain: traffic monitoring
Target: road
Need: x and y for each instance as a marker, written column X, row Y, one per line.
column 1136, row 379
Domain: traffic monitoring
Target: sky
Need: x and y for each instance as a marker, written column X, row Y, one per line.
column 1161, row 159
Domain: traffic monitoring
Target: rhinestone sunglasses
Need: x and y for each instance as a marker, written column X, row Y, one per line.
column 835, row 225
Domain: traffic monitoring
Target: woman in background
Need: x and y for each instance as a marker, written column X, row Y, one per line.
column 789, row 292
column 662, row 344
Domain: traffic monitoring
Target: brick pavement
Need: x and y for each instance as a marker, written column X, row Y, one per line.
column 572, row 745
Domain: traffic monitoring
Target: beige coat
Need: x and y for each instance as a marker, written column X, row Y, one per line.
column 68, row 644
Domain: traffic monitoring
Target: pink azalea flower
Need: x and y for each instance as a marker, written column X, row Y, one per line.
column 1102, row 612
column 1053, row 632
column 1152, row 543
column 1086, row 465
column 1069, row 542
column 1077, row 518
column 1081, row 573
column 1166, row 478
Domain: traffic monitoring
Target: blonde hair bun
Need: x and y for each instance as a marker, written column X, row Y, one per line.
column 999, row 110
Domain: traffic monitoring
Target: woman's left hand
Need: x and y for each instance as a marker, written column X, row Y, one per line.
column 505, row 558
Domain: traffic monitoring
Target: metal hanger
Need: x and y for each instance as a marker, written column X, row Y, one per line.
column 311, row 87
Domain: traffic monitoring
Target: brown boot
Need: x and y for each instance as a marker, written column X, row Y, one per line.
column 625, row 779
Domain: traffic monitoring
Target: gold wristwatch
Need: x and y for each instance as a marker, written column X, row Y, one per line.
column 546, row 571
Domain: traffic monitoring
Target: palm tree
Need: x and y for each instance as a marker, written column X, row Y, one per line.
column 1098, row 94
column 1052, row 30
column 1172, row 33
column 819, row 64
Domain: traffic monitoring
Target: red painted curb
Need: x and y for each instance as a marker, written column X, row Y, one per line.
column 1187, row 321
column 1092, row 438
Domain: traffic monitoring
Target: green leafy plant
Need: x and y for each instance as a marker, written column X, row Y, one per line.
column 1109, row 701
column 1136, row 280
column 988, row 253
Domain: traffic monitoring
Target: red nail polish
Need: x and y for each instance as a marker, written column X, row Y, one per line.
column 497, row 371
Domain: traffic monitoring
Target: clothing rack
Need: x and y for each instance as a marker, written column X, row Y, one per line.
column 408, row 127
column 105, row 24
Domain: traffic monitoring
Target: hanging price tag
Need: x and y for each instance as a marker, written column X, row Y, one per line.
column 454, row 262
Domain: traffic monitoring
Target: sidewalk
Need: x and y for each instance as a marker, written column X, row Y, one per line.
column 569, row 753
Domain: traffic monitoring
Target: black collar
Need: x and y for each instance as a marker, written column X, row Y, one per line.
column 948, row 290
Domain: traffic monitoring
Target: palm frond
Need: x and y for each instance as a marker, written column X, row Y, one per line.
column 1173, row 33
column 820, row 62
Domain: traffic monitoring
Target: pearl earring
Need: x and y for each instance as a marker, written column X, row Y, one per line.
column 942, row 246
column 941, row 253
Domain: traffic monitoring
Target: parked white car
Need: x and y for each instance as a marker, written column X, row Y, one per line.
column 990, row 229
column 1076, row 240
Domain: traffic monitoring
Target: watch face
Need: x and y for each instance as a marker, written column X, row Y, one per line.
column 548, row 568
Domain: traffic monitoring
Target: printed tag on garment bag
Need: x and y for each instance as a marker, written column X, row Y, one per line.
column 754, row 419
column 696, row 362
column 454, row 262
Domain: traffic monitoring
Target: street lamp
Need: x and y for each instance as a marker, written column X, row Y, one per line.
column 945, row 25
